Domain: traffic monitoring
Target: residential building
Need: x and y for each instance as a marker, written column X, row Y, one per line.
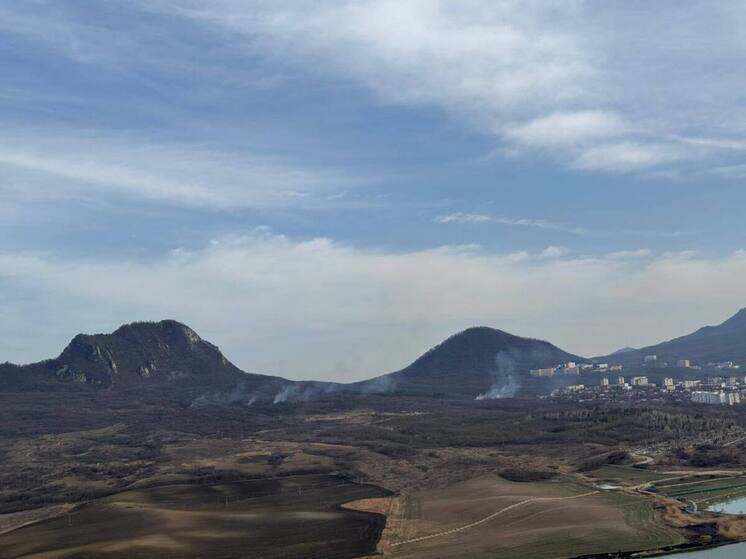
column 721, row 398
column 704, row 397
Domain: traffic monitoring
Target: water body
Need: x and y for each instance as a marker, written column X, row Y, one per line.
column 735, row 551
column 733, row 506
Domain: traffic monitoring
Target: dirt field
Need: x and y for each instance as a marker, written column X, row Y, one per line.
column 541, row 520
column 290, row 517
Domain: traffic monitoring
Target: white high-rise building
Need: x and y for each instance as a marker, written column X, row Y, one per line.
column 720, row 398
column 732, row 398
column 703, row 397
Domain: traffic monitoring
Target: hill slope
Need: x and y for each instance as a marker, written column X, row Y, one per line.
column 477, row 361
column 724, row 342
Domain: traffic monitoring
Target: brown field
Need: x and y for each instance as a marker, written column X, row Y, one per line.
column 155, row 484
column 289, row 517
column 555, row 523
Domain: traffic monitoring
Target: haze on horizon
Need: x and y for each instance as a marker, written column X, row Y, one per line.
column 326, row 189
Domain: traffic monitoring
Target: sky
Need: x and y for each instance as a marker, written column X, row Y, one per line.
column 326, row 189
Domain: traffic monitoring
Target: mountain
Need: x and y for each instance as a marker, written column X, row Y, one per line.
column 477, row 361
column 626, row 349
column 168, row 359
column 136, row 355
column 709, row 344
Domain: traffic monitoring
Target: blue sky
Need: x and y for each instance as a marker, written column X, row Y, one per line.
column 326, row 189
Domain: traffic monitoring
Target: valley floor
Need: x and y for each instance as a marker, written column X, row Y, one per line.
column 401, row 477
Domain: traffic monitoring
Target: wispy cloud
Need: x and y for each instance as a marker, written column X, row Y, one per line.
column 169, row 172
column 540, row 76
column 461, row 217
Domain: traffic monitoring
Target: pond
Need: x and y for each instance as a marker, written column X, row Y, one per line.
column 732, row 506
column 736, row 551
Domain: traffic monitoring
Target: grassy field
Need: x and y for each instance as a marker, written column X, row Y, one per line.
column 561, row 527
column 703, row 491
column 290, row 517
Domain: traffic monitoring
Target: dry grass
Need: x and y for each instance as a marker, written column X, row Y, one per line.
column 540, row 529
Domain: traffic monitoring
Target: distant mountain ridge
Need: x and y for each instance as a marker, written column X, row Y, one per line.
column 477, row 362
column 168, row 354
column 723, row 342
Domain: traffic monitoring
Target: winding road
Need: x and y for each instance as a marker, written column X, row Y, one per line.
column 490, row 517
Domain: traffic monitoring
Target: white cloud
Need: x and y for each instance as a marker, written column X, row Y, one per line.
column 627, row 156
column 308, row 308
column 40, row 165
column 567, row 129
column 655, row 88
column 553, row 252
column 557, row 76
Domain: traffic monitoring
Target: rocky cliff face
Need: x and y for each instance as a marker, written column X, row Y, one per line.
column 162, row 361
column 143, row 352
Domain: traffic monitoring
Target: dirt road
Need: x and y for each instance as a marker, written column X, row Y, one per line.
column 490, row 517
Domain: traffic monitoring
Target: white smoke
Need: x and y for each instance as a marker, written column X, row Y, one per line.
column 505, row 381
column 303, row 393
column 237, row 394
column 378, row 385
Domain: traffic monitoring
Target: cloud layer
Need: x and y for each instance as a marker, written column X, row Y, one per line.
column 598, row 87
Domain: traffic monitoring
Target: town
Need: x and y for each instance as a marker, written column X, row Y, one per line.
column 712, row 388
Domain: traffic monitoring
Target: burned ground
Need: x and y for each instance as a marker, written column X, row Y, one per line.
column 89, row 449
column 289, row 517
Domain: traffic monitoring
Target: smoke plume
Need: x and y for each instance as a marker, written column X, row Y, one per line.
column 303, row 392
column 505, row 381
column 238, row 394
